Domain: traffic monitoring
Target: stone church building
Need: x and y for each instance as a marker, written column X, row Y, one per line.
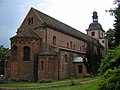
column 47, row 49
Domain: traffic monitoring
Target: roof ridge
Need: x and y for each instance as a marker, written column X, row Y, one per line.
column 56, row 20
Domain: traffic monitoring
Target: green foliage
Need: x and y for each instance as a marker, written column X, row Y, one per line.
column 116, row 13
column 110, row 70
column 2, row 52
column 110, row 80
column 110, row 35
column 111, row 60
column 117, row 24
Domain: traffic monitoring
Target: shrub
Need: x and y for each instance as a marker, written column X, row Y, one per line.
column 110, row 70
column 110, row 80
column 111, row 60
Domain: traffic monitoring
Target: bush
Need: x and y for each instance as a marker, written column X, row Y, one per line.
column 110, row 80
column 111, row 60
column 110, row 70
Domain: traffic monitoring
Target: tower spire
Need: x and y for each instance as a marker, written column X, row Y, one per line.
column 95, row 16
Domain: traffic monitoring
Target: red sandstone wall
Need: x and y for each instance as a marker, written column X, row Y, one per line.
column 24, row 69
column 62, row 40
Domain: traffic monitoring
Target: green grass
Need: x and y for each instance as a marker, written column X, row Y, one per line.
column 87, row 86
column 76, row 87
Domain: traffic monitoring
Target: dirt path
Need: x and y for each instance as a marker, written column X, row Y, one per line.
column 50, row 86
column 84, row 82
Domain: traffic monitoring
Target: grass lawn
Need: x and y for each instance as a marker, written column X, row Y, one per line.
column 88, row 86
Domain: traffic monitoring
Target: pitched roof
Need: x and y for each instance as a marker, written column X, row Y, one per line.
column 26, row 33
column 53, row 23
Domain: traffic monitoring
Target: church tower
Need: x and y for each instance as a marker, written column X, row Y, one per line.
column 96, row 31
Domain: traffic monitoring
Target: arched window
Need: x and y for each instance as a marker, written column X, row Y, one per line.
column 54, row 40
column 67, row 45
column 26, row 54
column 65, row 58
column 28, row 21
column 80, row 48
column 70, row 44
column 31, row 20
column 42, row 65
column 14, row 52
column 74, row 46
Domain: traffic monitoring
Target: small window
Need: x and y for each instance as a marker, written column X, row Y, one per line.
column 83, row 47
column 54, row 40
column 65, row 58
column 70, row 44
column 41, row 65
column 31, row 20
column 92, row 33
column 80, row 48
column 80, row 69
column 74, row 46
column 103, row 41
column 28, row 21
column 67, row 45
column 26, row 54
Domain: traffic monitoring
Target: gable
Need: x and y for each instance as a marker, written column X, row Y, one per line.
column 31, row 20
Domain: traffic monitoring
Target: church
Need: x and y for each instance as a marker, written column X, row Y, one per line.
column 47, row 49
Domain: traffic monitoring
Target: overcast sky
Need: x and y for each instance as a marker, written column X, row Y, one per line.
column 76, row 13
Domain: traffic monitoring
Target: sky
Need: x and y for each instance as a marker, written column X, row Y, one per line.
column 75, row 13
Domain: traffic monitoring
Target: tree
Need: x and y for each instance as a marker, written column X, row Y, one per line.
column 110, row 70
column 110, row 66
column 110, row 35
column 111, row 60
column 116, row 13
column 3, row 50
column 117, row 25
column 110, row 80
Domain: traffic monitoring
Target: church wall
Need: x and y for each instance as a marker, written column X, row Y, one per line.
column 48, row 68
column 63, row 39
column 41, row 32
column 97, row 33
column 7, row 68
column 101, row 34
column 64, row 65
column 83, row 72
column 104, row 42
column 21, row 69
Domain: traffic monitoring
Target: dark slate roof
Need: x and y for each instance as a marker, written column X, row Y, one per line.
column 53, row 23
column 95, row 26
column 26, row 33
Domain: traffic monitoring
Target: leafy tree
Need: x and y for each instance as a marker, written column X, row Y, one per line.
column 111, row 60
column 110, row 35
column 110, row 66
column 110, row 70
column 116, row 13
column 2, row 52
column 117, row 25
column 110, row 80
